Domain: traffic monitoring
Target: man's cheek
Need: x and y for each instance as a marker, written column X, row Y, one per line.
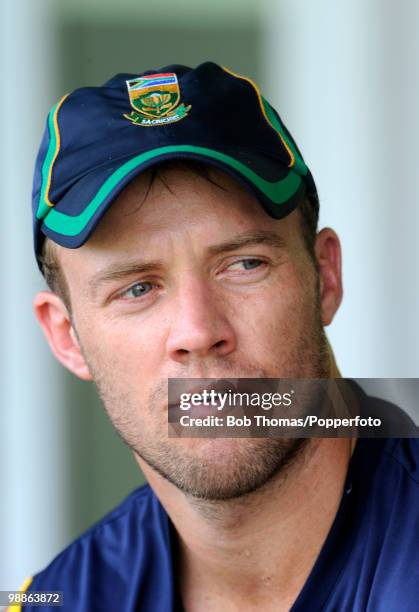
column 108, row 361
column 271, row 330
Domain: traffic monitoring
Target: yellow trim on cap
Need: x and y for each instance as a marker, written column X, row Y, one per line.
column 57, row 149
column 259, row 95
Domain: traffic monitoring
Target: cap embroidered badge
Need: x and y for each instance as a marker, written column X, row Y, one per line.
column 155, row 100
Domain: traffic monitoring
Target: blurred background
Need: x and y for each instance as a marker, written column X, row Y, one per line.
column 344, row 77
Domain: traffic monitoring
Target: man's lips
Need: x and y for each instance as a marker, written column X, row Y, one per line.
column 201, row 410
column 227, row 387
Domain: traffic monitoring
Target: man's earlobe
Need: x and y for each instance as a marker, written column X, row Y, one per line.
column 329, row 262
column 56, row 324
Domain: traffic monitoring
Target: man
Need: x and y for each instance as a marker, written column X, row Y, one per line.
column 175, row 222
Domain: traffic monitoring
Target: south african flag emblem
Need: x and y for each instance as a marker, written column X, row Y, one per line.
column 155, row 100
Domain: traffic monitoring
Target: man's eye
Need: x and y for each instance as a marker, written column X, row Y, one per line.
column 247, row 264
column 137, row 290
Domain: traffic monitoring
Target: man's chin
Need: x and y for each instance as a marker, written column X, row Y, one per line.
column 220, row 469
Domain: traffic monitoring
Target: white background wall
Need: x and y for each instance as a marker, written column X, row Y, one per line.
column 345, row 77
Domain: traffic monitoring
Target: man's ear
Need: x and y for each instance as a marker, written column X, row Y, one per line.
column 329, row 262
column 55, row 321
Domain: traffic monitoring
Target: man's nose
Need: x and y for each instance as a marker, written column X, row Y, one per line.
column 201, row 325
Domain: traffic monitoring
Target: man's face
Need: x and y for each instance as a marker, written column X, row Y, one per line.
column 194, row 281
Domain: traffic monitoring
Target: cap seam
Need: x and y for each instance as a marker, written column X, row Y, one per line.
column 262, row 107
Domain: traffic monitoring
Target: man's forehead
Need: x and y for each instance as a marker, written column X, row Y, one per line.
column 178, row 199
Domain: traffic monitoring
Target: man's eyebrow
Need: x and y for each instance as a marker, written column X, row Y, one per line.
column 120, row 271
column 252, row 238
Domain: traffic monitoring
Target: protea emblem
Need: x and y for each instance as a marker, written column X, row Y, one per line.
column 155, row 100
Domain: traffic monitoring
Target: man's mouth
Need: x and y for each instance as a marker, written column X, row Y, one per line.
column 212, row 396
column 198, row 401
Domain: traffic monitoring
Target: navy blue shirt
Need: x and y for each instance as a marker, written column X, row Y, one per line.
column 369, row 561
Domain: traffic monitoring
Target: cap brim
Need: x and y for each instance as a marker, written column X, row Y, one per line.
column 279, row 195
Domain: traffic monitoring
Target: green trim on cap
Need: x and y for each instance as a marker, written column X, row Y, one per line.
column 68, row 225
column 299, row 164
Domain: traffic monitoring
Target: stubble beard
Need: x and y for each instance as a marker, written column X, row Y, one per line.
column 216, row 469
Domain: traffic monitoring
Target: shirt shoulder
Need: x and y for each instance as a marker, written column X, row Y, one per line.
column 395, row 422
column 106, row 567
column 370, row 559
column 385, row 530
column 404, row 452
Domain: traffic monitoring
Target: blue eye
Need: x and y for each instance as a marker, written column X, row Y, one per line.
column 247, row 264
column 250, row 264
column 138, row 290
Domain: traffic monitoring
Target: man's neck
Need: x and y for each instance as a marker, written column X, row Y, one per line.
column 257, row 551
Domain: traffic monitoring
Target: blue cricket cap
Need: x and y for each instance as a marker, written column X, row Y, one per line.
column 97, row 139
